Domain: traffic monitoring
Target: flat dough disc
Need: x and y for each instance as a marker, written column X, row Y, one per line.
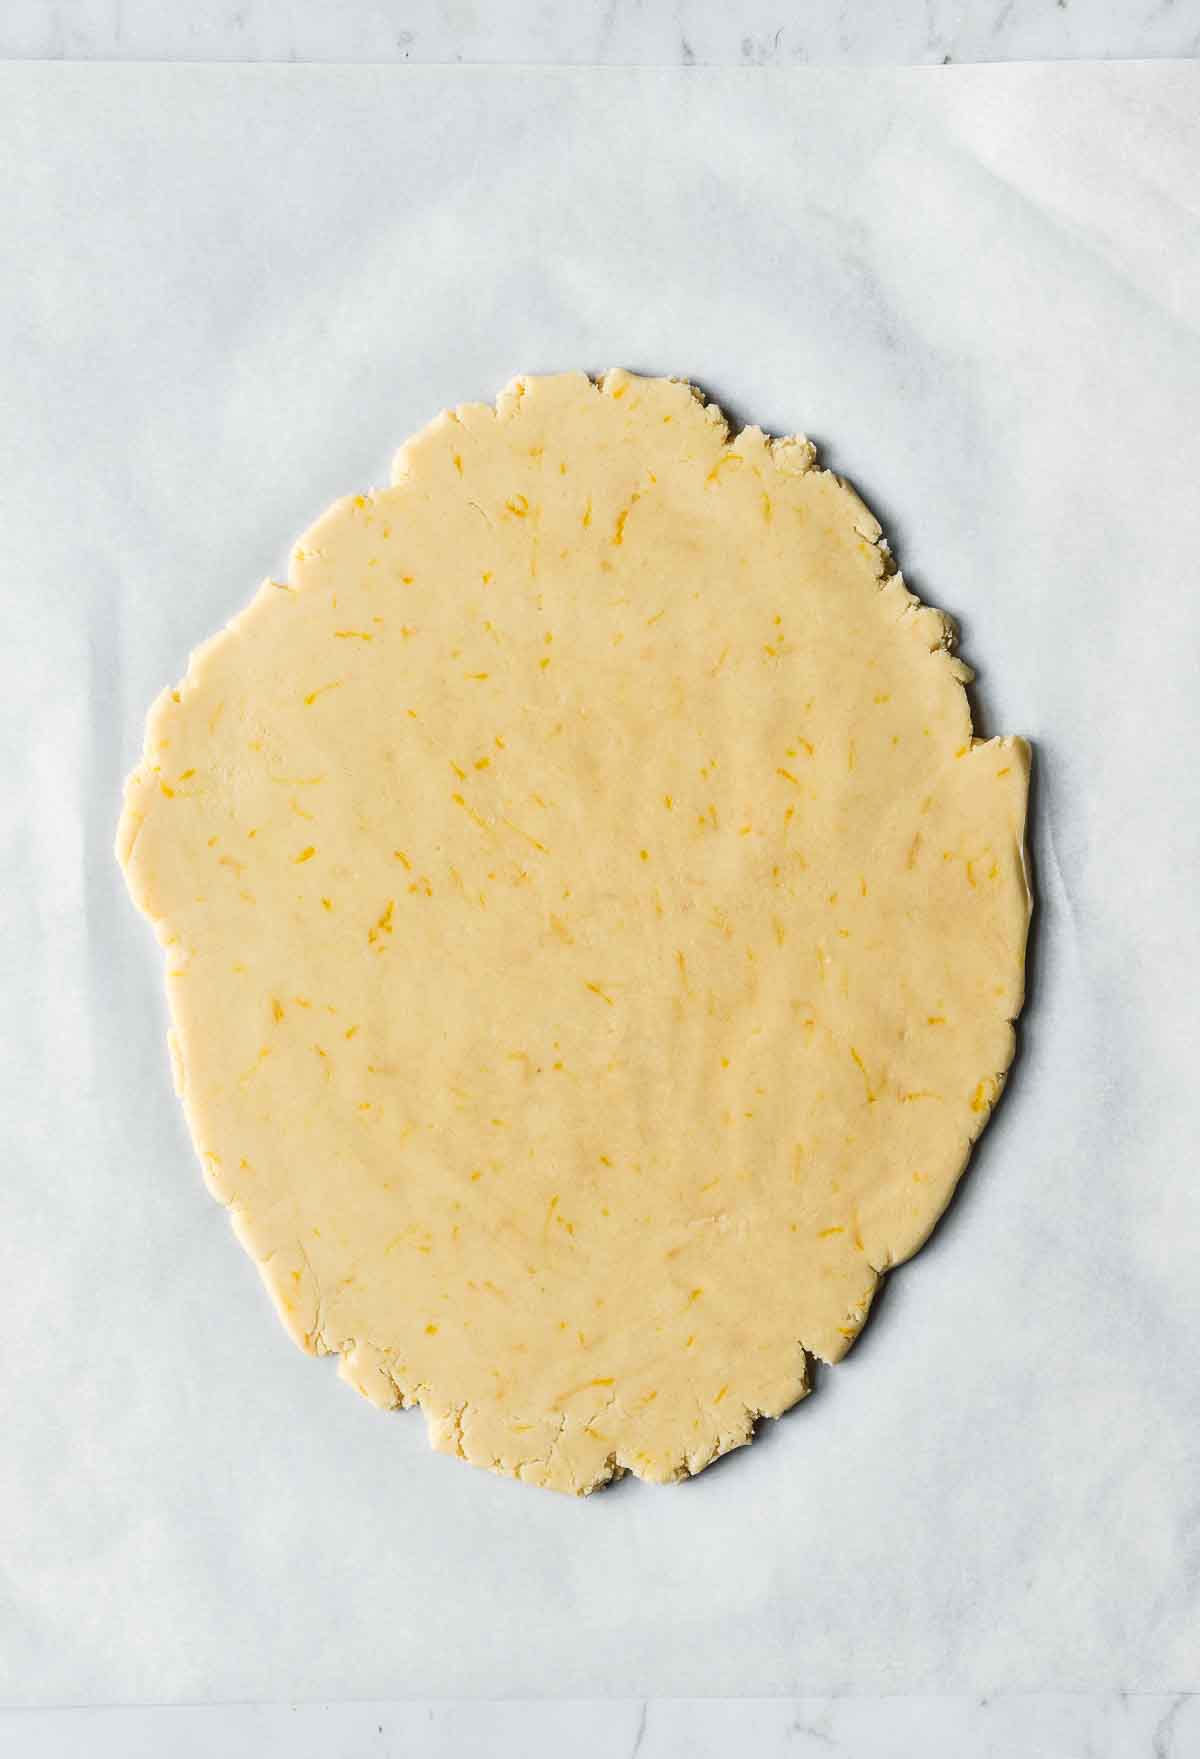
column 593, row 933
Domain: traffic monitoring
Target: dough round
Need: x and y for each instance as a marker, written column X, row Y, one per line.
column 593, row 934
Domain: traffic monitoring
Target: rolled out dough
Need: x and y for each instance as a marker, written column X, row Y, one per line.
column 593, row 934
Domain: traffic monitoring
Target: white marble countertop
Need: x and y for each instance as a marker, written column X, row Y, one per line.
column 620, row 32
column 1115, row 1725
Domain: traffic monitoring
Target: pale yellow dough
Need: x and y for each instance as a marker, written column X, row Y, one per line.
column 593, row 934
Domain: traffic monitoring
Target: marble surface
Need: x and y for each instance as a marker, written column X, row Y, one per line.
column 681, row 32
column 1116, row 1725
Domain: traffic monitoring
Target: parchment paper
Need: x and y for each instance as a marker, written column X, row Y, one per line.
column 225, row 296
